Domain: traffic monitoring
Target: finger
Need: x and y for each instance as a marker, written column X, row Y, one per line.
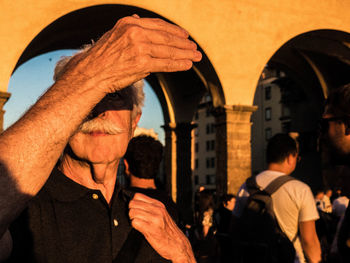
column 159, row 24
column 140, row 225
column 144, row 214
column 165, row 38
column 162, row 51
column 135, row 15
column 145, row 203
column 169, row 65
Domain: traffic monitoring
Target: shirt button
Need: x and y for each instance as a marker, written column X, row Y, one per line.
column 95, row 196
column 115, row 222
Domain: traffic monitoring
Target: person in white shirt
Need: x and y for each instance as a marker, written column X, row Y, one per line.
column 293, row 202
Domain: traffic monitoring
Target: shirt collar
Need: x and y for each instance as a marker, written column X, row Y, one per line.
column 64, row 189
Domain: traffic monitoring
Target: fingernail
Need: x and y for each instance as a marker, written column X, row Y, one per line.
column 194, row 45
column 198, row 55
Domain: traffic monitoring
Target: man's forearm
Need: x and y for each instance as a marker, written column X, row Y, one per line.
column 312, row 251
column 309, row 241
column 31, row 147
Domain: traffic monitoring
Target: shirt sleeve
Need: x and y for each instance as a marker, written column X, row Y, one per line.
column 308, row 210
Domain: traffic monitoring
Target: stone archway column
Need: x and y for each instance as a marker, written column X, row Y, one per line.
column 233, row 147
column 177, row 161
column 170, row 159
column 184, row 171
column 4, row 96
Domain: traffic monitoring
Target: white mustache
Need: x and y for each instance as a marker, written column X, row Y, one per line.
column 101, row 125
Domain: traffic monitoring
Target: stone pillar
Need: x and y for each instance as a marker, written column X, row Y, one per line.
column 170, row 159
column 184, row 171
column 233, row 147
column 4, row 96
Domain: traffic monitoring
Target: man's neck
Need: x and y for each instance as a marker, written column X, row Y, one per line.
column 278, row 167
column 93, row 176
column 141, row 182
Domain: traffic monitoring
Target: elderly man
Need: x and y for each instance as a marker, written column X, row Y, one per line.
column 336, row 130
column 75, row 212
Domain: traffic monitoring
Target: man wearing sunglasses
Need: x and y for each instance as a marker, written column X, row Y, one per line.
column 336, row 131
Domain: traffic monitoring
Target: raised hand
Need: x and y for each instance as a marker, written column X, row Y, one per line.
column 130, row 51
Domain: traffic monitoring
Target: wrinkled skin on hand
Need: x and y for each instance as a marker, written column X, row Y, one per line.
column 130, row 51
column 150, row 217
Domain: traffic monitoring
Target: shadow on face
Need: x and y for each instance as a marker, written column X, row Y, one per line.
column 118, row 100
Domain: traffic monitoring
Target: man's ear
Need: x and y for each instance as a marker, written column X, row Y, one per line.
column 126, row 164
column 290, row 158
column 135, row 121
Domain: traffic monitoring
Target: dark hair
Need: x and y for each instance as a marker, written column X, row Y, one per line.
column 226, row 198
column 338, row 101
column 279, row 147
column 144, row 155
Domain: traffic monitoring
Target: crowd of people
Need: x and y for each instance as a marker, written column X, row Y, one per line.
column 331, row 206
column 60, row 200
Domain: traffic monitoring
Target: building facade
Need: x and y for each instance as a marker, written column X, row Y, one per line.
column 203, row 146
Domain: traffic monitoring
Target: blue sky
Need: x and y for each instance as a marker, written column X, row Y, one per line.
column 32, row 78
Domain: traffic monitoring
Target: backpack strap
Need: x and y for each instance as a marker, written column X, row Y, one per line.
column 277, row 183
column 252, row 186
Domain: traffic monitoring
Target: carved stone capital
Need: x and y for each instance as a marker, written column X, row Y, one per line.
column 4, row 96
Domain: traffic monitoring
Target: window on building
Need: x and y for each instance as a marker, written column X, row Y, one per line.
column 212, row 145
column 196, row 179
column 212, row 162
column 268, row 114
column 196, row 163
column 268, row 93
column 212, row 128
column 196, row 147
column 208, row 179
column 208, row 162
column 213, row 179
column 207, row 145
column 268, row 133
column 285, row 111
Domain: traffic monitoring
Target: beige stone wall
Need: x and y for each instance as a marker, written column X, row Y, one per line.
column 238, row 36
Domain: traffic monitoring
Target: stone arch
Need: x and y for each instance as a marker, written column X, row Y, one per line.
column 313, row 63
column 85, row 25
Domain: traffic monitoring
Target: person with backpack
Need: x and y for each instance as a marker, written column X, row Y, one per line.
column 274, row 216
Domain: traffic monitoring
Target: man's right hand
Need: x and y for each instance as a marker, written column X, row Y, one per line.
column 131, row 50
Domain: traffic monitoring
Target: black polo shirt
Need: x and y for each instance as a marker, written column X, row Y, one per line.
column 67, row 222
